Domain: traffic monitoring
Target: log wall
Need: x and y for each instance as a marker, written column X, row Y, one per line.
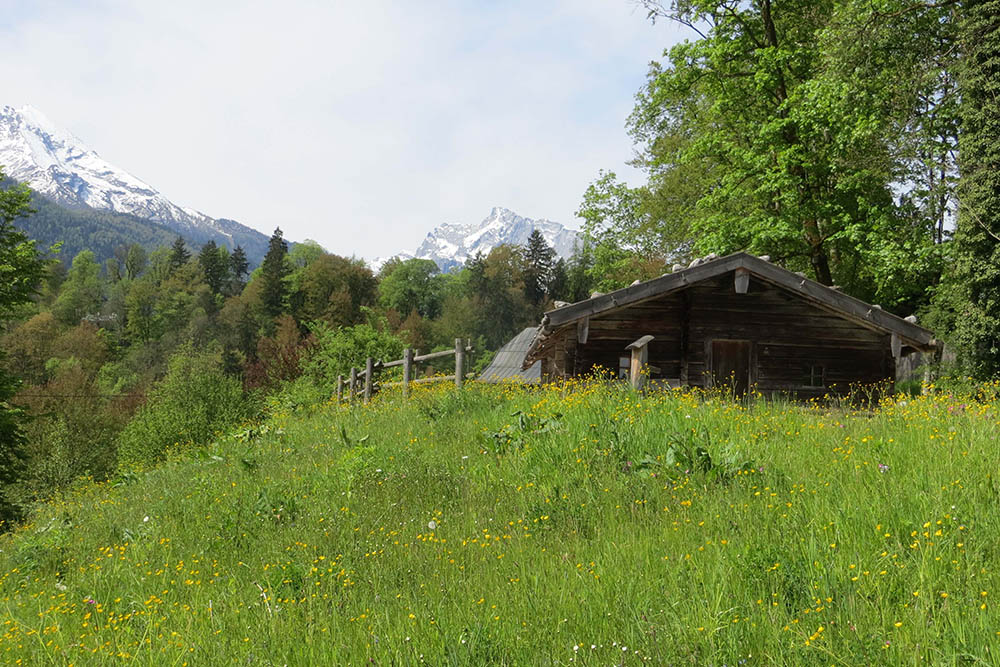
column 792, row 341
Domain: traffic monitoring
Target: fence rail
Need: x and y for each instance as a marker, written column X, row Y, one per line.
column 363, row 382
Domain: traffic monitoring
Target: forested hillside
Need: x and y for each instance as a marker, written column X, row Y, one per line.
column 117, row 362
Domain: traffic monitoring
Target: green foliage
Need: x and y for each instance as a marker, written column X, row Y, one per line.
column 273, row 274
column 214, row 266
column 625, row 237
column 777, row 131
column 336, row 351
column 193, row 402
column 539, row 263
column 179, row 254
column 239, row 269
column 977, row 266
column 414, row 284
column 82, row 292
column 21, row 271
column 331, row 288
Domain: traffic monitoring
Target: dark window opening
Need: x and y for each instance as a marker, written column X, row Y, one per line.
column 816, row 376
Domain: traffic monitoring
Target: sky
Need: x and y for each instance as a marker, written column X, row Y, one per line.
column 361, row 125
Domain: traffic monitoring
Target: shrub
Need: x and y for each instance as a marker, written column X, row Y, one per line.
column 337, row 350
column 194, row 400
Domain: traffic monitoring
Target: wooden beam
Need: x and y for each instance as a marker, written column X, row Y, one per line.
column 742, row 280
column 896, row 345
column 647, row 290
column 582, row 330
column 434, row 355
column 459, row 362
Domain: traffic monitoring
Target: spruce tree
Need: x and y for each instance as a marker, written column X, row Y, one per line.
column 274, row 270
column 214, row 269
column 538, row 260
column 239, row 268
column 977, row 237
column 179, row 254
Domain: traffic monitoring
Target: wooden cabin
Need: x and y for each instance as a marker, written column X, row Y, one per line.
column 739, row 321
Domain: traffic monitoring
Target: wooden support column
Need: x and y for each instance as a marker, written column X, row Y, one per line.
column 640, row 355
column 369, row 371
column 352, row 389
column 407, row 371
column 582, row 330
column 459, row 362
column 340, row 388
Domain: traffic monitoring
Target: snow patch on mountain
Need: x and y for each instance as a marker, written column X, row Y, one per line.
column 451, row 244
column 60, row 167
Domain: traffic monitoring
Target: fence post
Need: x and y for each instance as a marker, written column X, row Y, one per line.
column 459, row 362
column 354, row 384
column 340, row 388
column 369, row 371
column 407, row 371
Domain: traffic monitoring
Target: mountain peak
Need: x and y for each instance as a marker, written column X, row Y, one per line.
column 451, row 244
column 60, row 167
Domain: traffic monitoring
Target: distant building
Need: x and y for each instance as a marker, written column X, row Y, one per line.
column 506, row 365
column 736, row 320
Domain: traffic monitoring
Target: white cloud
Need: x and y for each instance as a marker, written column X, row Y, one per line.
column 360, row 125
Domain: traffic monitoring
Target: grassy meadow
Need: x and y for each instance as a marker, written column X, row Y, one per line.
column 576, row 524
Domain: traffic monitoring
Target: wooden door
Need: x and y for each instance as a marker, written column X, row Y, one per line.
column 731, row 365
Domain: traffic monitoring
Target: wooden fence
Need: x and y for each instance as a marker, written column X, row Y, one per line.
column 363, row 382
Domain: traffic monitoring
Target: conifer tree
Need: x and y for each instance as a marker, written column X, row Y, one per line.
column 274, row 270
column 179, row 255
column 538, row 261
column 214, row 269
column 21, row 271
column 239, row 268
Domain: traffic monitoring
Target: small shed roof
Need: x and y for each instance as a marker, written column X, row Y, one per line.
column 506, row 365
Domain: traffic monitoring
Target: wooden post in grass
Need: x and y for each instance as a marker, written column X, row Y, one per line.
column 340, row 389
column 459, row 362
column 407, row 371
column 640, row 355
column 369, row 371
column 354, row 384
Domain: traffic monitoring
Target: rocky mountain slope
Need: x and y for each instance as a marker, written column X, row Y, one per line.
column 61, row 168
column 450, row 244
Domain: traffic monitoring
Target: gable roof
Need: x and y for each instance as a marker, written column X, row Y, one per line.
column 859, row 312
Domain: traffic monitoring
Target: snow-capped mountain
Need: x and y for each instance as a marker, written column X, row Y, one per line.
column 60, row 167
column 450, row 244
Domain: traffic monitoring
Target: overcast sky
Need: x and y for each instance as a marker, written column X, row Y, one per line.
column 362, row 125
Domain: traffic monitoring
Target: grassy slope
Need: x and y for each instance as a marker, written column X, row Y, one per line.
column 309, row 544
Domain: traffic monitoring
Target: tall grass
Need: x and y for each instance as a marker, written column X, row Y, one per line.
column 573, row 524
